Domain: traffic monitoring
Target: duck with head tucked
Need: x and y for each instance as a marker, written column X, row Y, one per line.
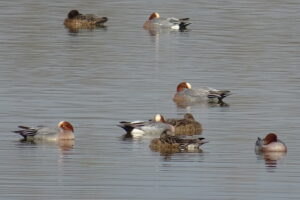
column 270, row 143
column 138, row 129
column 186, row 126
column 155, row 21
column 169, row 142
column 76, row 20
column 63, row 131
column 186, row 94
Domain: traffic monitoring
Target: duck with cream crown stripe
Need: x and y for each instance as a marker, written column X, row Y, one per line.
column 155, row 21
column 64, row 131
column 140, row 128
column 186, row 94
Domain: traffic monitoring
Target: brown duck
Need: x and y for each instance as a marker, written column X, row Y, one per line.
column 186, row 126
column 170, row 142
column 76, row 20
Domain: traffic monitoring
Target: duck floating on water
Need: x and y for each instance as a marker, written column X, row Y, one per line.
column 76, row 20
column 63, row 131
column 140, row 128
column 168, row 142
column 186, row 126
column 155, row 21
column 186, row 94
column 270, row 143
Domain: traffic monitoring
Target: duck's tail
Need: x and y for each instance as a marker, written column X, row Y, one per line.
column 201, row 140
column 101, row 21
column 26, row 131
column 183, row 25
column 126, row 126
column 220, row 94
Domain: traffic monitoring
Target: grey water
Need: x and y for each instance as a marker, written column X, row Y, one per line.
column 96, row 78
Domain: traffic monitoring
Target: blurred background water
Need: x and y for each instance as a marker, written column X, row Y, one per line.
column 96, row 78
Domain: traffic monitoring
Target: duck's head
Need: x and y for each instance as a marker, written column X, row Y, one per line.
column 73, row 13
column 183, row 85
column 65, row 126
column 271, row 137
column 154, row 15
column 159, row 118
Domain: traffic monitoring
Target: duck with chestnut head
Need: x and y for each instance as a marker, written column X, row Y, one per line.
column 155, row 21
column 270, row 143
column 63, row 131
column 186, row 94
column 138, row 129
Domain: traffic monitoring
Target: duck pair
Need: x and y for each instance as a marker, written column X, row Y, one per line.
column 76, row 20
column 186, row 126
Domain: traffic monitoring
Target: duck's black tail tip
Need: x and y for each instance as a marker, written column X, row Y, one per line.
column 183, row 25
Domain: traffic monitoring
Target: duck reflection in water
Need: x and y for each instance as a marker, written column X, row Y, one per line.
column 63, row 145
column 270, row 158
column 188, row 105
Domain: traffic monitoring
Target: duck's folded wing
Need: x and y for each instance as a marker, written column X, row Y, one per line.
column 27, row 131
column 220, row 94
column 196, row 92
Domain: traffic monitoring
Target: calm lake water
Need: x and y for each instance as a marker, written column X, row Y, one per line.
column 94, row 79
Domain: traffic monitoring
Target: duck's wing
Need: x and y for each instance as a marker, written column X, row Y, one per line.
column 220, row 94
column 26, row 131
column 155, row 127
column 199, row 92
column 93, row 18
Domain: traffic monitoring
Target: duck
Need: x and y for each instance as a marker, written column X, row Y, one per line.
column 137, row 129
column 186, row 94
column 63, row 131
column 270, row 143
column 168, row 141
column 155, row 21
column 186, row 126
column 76, row 20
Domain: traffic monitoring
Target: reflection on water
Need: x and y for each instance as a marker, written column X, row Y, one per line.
column 270, row 158
column 201, row 104
column 161, row 31
column 170, row 151
column 63, row 145
column 75, row 31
